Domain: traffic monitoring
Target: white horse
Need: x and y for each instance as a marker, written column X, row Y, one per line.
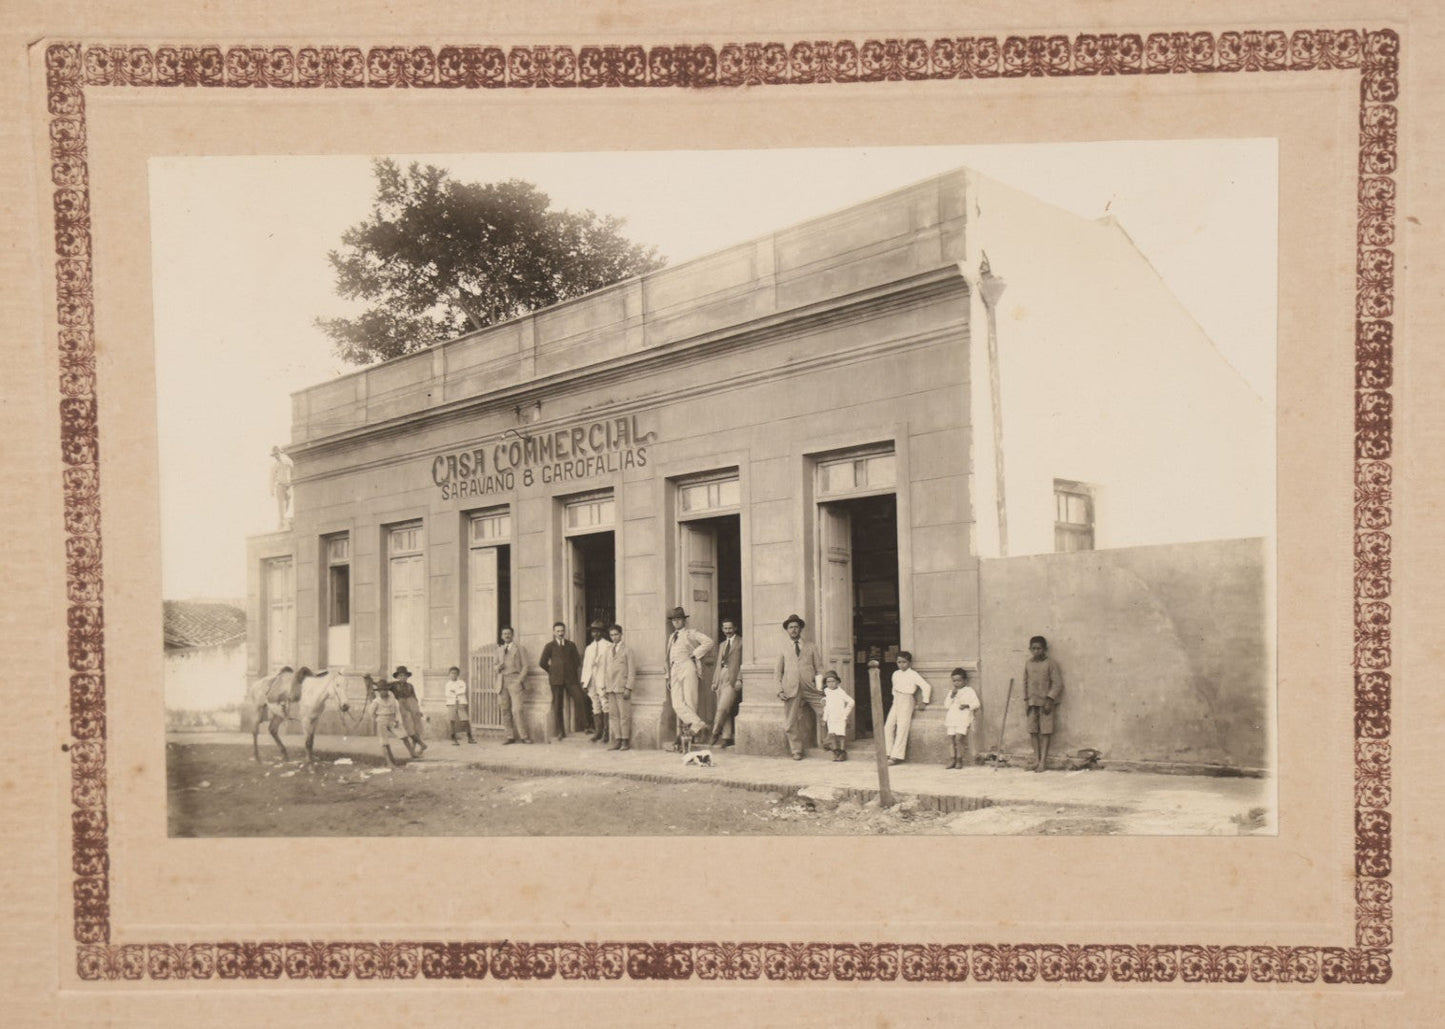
column 274, row 701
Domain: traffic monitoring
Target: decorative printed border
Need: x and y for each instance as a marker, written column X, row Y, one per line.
column 74, row 68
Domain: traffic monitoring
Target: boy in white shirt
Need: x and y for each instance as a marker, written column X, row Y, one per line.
column 836, row 707
column 459, row 711
column 958, row 715
column 907, row 685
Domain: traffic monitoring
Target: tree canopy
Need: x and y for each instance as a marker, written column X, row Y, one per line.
column 438, row 258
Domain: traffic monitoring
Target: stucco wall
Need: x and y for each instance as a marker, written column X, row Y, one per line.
column 205, row 678
column 893, row 371
column 1106, row 379
column 1165, row 651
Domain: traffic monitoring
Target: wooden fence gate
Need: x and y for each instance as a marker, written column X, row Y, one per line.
column 484, row 691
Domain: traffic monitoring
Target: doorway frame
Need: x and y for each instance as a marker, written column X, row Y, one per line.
column 564, row 601
column 822, row 450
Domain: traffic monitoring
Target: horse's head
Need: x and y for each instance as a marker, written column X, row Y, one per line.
column 336, row 690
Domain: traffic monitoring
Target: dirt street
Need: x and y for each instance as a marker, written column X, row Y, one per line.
column 217, row 790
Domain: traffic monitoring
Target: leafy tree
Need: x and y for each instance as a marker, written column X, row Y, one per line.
column 438, row 258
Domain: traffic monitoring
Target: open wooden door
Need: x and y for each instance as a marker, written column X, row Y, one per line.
column 576, row 572
column 835, row 534
column 700, row 598
column 483, row 609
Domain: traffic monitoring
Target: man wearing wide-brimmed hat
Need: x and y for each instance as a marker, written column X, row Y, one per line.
column 685, row 648
column 800, row 673
column 592, row 677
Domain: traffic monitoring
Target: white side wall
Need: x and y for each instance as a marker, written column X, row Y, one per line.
column 205, row 679
column 1107, row 380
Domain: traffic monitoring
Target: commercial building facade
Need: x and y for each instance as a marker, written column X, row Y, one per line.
column 822, row 421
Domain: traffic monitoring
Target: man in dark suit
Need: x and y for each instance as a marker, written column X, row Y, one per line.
column 727, row 683
column 563, row 666
column 800, row 673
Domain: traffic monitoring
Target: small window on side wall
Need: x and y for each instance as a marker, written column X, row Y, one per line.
column 1073, row 516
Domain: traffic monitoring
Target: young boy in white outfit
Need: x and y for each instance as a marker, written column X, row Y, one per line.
column 908, row 687
column 837, row 705
column 459, row 712
column 958, row 715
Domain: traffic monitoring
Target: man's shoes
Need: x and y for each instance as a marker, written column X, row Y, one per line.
column 797, row 757
column 625, row 744
column 526, row 739
column 509, row 741
column 952, row 764
column 616, row 744
column 895, row 761
column 726, row 743
column 842, row 755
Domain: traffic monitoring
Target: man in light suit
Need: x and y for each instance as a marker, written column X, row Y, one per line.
column 685, row 648
column 727, row 682
column 800, row 672
column 512, row 677
column 592, row 678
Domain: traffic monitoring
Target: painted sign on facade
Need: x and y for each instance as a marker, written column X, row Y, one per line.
column 561, row 455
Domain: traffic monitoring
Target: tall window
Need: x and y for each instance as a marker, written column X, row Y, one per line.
column 406, row 613
column 1073, row 516
column 280, row 613
column 337, row 590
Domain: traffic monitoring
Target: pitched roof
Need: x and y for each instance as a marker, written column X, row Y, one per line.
column 190, row 623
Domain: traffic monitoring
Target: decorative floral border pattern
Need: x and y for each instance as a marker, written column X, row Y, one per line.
column 74, row 68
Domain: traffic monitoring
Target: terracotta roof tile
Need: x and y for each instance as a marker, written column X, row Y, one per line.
column 190, row 623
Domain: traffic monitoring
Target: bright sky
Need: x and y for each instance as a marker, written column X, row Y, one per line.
column 240, row 272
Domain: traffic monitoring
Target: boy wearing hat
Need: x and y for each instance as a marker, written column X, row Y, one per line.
column 799, row 673
column 385, row 715
column 685, row 648
column 592, row 678
column 405, row 694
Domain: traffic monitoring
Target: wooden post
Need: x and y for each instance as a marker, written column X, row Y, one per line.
column 880, row 750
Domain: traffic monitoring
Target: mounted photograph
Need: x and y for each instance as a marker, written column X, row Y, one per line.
column 906, row 490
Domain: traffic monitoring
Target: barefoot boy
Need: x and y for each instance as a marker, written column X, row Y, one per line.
column 459, row 711
column 1043, row 686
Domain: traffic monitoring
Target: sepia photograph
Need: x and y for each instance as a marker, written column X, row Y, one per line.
column 606, row 513
column 855, row 491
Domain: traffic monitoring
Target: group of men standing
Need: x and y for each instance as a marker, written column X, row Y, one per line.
column 600, row 683
column 600, row 679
